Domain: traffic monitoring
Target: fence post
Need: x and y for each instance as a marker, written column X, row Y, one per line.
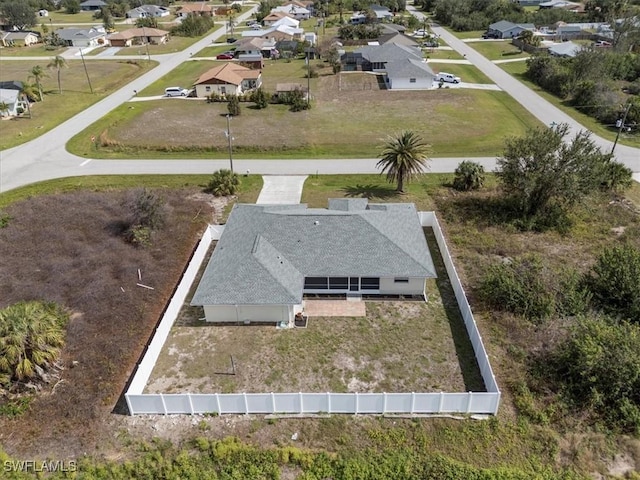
column 357, row 402
column 300, row 400
column 441, row 402
column 384, row 402
column 246, row 403
column 218, row 403
column 190, row 403
column 164, row 405
column 273, row 403
column 413, row 402
column 328, row 402
column 469, row 396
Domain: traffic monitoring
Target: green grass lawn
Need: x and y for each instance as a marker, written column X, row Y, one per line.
column 435, row 53
column 518, row 69
column 175, row 44
column 468, row 73
column 106, row 76
column 184, row 75
column 494, row 50
column 31, row 51
column 70, row 18
column 465, row 35
column 213, row 51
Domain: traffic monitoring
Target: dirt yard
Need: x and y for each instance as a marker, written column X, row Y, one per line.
column 68, row 248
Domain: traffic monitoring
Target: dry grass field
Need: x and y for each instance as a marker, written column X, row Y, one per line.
column 351, row 117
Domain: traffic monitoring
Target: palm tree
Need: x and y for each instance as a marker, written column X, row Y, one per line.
column 37, row 73
column 31, row 336
column 57, row 63
column 4, row 107
column 403, row 157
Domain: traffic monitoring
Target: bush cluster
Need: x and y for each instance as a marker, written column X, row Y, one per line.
column 193, row 26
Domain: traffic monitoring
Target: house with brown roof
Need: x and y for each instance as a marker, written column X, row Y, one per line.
column 273, row 17
column 197, row 8
column 138, row 36
column 227, row 79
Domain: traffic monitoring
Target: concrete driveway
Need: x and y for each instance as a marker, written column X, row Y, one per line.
column 281, row 190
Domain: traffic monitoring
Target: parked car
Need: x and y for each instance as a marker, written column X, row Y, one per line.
column 447, row 77
column 176, row 92
column 225, row 56
column 232, row 40
column 602, row 43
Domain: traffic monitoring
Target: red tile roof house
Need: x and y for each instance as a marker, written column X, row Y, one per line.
column 228, row 79
column 138, row 36
column 199, row 8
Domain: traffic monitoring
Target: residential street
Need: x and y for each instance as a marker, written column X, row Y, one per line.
column 46, row 158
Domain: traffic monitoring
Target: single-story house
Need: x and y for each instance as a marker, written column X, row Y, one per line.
column 83, row 37
column 228, row 79
column 382, row 13
column 299, row 13
column 198, row 8
column 397, row 38
column 254, row 61
column 270, row 256
column 376, row 57
column 506, row 29
column 138, row 36
column 565, row 49
column 281, row 32
column 148, row 11
column 18, row 39
column 12, row 99
column 409, row 74
column 273, row 17
column 254, row 46
column 92, row 5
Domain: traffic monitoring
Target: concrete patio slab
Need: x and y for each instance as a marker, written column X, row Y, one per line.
column 334, row 308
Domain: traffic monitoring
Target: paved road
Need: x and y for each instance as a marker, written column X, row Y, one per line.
column 45, row 157
column 538, row 106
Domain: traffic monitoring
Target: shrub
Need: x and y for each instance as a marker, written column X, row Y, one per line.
column 233, row 105
column 147, row 209
column 616, row 177
column 598, row 367
column 615, row 281
column 468, row 176
column 31, row 336
column 260, row 98
column 223, row 182
column 4, row 219
column 519, row 287
column 139, row 236
column 193, row 26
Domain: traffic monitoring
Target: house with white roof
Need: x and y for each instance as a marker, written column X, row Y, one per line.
column 12, row 99
column 270, row 256
column 83, row 37
column 299, row 13
column 506, row 29
column 148, row 11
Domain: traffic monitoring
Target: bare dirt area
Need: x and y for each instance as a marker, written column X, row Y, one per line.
column 398, row 346
column 68, row 248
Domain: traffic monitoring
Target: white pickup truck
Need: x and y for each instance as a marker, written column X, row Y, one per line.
column 447, row 77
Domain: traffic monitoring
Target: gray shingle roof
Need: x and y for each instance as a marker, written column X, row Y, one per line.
column 266, row 251
column 409, row 68
column 388, row 52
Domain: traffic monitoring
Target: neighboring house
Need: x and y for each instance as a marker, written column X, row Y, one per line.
column 358, row 19
column 409, row 74
column 269, row 257
column 376, row 57
column 397, row 38
column 273, row 17
column 505, row 29
column 565, row 49
column 12, row 85
column 92, row 5
column 148, row 11
column 568, row 32
column 255, row 46
column 252, row 61
column 382, row 13
column 19, row 39
column 12, row 99
column 299, row 13
column 138, row 36
column 227, row 79
column 277, row 33
column 198, row 8
column 83, row 37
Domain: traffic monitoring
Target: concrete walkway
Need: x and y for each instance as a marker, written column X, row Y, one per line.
column 281, row 190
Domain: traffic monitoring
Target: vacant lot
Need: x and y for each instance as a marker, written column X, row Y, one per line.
column 106, row 76
column 351, row 117
column 498, row 50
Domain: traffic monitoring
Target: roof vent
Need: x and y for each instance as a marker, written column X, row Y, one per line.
column 316, row 222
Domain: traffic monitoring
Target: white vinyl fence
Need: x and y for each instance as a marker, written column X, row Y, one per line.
column 311, row 403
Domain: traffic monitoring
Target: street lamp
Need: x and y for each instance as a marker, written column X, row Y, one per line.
column 229, row 139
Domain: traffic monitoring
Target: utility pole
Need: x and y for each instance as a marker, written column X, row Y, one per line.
column 621, row 126
column 308, row 78
column 85, row 70
column 229, row 138
column 146, row 44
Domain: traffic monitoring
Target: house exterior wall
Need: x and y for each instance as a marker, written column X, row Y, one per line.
column 415, row 286
column 406, row 84
column 204, row 90
column 248, row 313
